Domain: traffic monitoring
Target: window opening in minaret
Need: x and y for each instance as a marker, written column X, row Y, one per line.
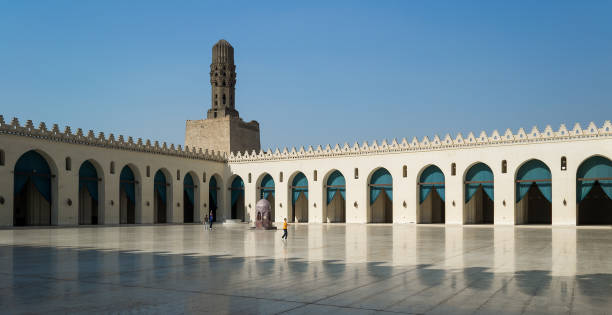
column 223, row 99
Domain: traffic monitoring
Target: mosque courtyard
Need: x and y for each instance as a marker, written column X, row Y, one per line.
column 334, row 268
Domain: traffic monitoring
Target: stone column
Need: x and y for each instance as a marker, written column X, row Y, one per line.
column 110, row 182
column 503, row 191
column 453, row 186
column 357, row 191
column 144, row 195
column 177, row 213
column 563, row 188
column 315, row 197
column 250, row 197
column 66, row 214
column 282, row 197
column 7, row 181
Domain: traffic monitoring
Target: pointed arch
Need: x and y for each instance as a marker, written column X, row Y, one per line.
column 299, row 197
column 594, row 191
column 334, row 209
column 237, row 199
column 91, row 192
column 214, row 196
column 266, row 186
column 266, row 189
column 190, row 197
column 479, row 195
column 431, row 190
column 380, row 201
column 533, row 193
column 33, row 190
column 128, row 198
column 162, row 192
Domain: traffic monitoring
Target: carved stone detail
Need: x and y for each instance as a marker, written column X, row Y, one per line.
column 91, row 140
column 382, row 147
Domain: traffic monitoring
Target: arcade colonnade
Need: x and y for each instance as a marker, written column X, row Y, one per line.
column 53, row 183
column 53, row 178
column 559, row 183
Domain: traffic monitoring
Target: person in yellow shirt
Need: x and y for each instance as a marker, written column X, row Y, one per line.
column 284, row 229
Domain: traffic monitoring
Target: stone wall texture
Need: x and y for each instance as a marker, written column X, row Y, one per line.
column 225, row 134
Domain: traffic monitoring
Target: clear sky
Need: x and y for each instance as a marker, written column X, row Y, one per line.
column 310, row 72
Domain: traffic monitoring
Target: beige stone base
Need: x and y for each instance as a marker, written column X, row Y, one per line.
column 225, row 134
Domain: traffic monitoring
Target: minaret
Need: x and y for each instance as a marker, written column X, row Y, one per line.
column 223, row 130
column 222, row 81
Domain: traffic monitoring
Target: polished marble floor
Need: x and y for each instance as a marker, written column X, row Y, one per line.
column 353, row 268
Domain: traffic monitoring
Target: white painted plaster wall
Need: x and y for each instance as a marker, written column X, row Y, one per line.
column 65, row 183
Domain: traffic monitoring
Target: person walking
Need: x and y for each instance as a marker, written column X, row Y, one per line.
column 205, row 221
column 210, row 219
column 284, row 230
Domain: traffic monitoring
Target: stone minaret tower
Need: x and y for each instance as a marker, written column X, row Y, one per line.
column 223, row 130
column 223, row 81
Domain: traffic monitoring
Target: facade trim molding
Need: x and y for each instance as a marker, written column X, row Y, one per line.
column 592, row 132
column 55, row 135
column 447, row 143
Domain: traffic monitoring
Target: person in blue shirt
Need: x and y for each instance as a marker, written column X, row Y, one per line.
column 210, row 218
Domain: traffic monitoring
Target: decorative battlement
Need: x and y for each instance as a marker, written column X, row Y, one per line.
column 14, row 128
column 375, row 148
column 520, row 137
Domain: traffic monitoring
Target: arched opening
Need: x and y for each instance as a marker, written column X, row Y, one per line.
column 127, row 196
column 188, row 199
column 478, row 208
column 381, row 197
column 266, row 191
column 32, row 190
column 335, row 210
column 431, row 196
column 237, row 189
column 594, row 191
column 88, row 194
column 213, row 197
column 160, row 199
column 533, row 193
column 299, row 198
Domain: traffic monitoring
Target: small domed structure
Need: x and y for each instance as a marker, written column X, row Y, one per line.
column 223, row 42
column 263, row 212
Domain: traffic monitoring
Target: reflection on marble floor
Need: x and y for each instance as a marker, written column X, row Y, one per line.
column 351, row 268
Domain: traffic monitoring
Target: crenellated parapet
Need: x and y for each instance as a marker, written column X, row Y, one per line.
column 437, row 143
column 110, row 142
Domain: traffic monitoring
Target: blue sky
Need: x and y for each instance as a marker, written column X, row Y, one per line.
column 310, row 72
